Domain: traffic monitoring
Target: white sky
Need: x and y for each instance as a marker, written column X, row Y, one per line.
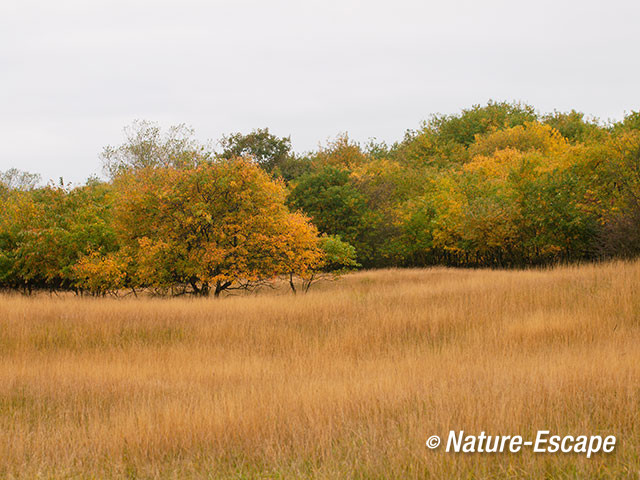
column 74, row 73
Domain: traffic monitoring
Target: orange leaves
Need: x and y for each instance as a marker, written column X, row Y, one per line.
column 298, row 247
column 215, row 224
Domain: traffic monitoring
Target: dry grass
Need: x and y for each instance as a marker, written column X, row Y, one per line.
column 345, row 382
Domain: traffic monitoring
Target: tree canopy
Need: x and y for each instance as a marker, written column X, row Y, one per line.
column 494, row 185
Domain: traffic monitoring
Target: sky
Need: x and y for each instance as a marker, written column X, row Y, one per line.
column 73, row 74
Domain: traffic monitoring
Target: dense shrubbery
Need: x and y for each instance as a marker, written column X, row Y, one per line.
column 172, row 220
column 497, row 185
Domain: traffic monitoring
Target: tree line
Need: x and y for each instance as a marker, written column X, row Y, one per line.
column 494, row 185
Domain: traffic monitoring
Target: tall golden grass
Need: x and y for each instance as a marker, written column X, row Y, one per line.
column 345, row 382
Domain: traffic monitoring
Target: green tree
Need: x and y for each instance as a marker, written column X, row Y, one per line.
column 334, row 204
column 271, row 152
column 574, row 126
column 45, row 231
column 442, row 141
column 337, row 258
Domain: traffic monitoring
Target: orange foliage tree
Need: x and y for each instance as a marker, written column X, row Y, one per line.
column 209, row 228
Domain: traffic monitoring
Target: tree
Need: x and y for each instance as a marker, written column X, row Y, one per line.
column 574, row 127
column 14, row 179
column 101, row 273
column 478, row 120
column 613, row 171
column 267, row 150
column 519, row 200
column 334, row 205
column 216, row 226
column 385, row 185
column 532, row 136
column 44, row 232
column 341, row 152
column 630, row 122
column 335, row 258
column 443, row 140
column 148, row 147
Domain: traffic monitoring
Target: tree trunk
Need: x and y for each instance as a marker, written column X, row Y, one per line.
column 291, row 284
column 220, row 286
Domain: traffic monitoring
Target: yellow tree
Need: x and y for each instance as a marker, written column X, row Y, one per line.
column 341, row 152
column 532, row 136
column 515, row 172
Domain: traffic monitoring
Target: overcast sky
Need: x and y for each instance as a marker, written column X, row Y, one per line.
column 74, row 73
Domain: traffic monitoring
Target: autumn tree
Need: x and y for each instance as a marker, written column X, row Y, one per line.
column 358, row 201
column 519, row 200
column 613, row 173
column 443, row 140
column 341, row 152
column 215, row 226
column 495, row 184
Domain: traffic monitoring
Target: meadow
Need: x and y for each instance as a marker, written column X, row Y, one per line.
column 347, row 381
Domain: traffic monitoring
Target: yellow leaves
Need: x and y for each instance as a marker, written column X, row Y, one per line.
column 341, row 152
column 99, row 273
column 377, row 168
column 626, row 144
column 528, row 151
column 497, row 165
column 532, row 136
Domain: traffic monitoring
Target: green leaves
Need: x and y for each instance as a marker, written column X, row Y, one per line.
column 493, row 185
column 44, row 232
column 267, row 150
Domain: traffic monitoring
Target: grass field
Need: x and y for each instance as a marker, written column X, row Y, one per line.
column 345, row 382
